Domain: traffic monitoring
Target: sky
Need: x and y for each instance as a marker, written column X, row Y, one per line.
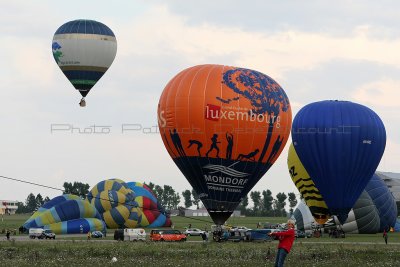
column 315, row 50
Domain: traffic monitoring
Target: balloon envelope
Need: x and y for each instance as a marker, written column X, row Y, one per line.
column 340, row 144
column 84, row 50
column 224, row 127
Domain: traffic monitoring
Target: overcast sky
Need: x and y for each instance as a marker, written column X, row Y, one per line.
column 315, row 50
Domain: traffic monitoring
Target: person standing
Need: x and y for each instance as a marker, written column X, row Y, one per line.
column 89, row 236
column 286, row 239
column 8, row 234
column 385, row 235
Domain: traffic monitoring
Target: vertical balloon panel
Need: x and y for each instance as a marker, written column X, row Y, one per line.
column 224, row 127
column 306, row 187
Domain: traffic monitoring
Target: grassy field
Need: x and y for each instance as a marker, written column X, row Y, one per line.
column 354, row 250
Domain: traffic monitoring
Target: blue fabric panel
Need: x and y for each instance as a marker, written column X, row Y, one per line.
column 83, row 75
column 85, row 27
column 384, row 202
column 68, row 210
column 118, row 218
column 140, row 191
column 78, row 226
column 55, row 201
column 159, row 222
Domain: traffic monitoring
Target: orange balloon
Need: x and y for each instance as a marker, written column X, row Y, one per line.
column 224, row 127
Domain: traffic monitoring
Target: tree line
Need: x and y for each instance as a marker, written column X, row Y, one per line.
column 264, row 203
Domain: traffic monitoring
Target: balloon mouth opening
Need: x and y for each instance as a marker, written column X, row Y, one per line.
column 219, row 217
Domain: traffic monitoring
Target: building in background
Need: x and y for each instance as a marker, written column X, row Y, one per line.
column 8, row 206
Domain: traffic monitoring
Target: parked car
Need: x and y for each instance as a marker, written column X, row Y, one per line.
column 48, row 234
column 167, row 235
column 193, row 232
column 300, row 234
column 97, row 234
column 235, row 236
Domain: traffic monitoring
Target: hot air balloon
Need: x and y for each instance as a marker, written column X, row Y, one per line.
column 340, row 144
column 84, row 50
column 307, row 188
column 224, row 127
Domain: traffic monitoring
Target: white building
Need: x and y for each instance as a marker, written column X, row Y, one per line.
column 8, row 206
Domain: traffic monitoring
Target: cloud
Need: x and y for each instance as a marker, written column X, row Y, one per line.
column 384, row 92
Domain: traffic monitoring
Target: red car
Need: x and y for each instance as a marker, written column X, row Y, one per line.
column 167, row 235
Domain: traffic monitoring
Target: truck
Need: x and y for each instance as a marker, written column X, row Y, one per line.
column 130, row 234
column 36, row 233
column 134, row 234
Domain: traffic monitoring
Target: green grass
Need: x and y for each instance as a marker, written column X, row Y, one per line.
column 354, row 250
column 49, row 253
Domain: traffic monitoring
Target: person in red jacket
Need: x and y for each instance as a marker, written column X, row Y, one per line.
column 286, row 239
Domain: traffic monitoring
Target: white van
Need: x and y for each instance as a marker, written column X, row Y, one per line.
column 36, row 233
column 134, row 234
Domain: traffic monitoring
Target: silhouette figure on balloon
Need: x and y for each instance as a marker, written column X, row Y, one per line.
column 176, row 140
column 250, row 156
column 214, row 141
column 229, row 139
column 196, row 142
column 275, row 148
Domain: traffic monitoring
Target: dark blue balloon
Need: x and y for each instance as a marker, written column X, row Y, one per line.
column 384, row 202
column 340, row 144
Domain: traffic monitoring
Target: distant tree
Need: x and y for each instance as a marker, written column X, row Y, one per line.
column 292, row 201
column 21, row 208
column 39, row 200
column 196, row 199
column 76, row 188
column 158, row 191
column 243, row 204
column 187, row 197
column 152, row 186
column 168, row 196
column 267, row 202
column 46, row 199
column 256, row 198
column 175, row 199
column 30, row 203
column 281, row 203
